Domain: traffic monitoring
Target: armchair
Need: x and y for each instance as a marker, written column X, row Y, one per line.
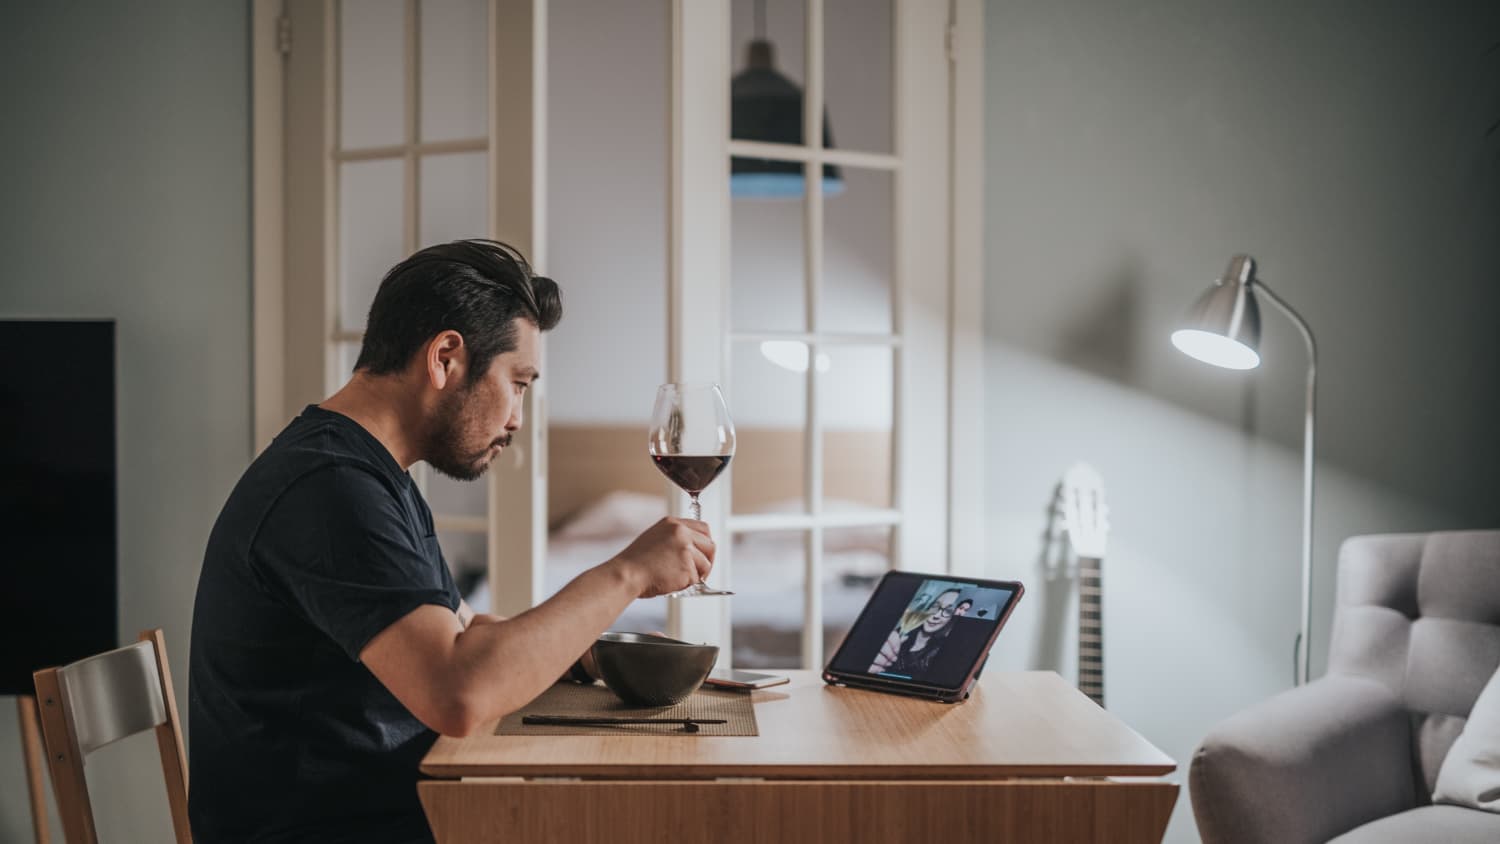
column 1353, row 756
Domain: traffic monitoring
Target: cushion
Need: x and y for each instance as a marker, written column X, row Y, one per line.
column 1470, row 775
column 1448, row 824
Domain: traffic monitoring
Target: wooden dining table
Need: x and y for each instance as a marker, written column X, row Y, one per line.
column 1026, row 758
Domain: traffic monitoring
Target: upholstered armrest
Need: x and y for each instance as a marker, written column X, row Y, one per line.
column 1305, row 766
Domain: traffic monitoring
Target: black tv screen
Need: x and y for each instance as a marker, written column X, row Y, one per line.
column 57, row 496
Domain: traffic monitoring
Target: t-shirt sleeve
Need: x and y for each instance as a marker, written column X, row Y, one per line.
column 339, row 547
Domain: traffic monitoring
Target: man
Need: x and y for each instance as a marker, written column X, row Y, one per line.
column 330, row 646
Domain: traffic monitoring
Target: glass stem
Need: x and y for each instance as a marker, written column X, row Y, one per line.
column 697, row 510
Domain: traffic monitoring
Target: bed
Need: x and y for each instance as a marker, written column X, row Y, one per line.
column 603, row 493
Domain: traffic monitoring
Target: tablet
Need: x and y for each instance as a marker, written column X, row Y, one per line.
column 925, row 635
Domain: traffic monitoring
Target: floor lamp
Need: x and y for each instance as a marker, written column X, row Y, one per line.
column 1223, row 328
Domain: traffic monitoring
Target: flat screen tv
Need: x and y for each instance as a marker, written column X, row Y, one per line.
column 58, row 546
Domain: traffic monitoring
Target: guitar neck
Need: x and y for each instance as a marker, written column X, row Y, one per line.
column 1090, row 629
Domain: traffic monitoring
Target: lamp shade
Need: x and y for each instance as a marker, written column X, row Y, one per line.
column 1223, row 326
column 766, row 106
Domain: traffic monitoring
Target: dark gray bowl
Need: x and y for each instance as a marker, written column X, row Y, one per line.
column 652, row 670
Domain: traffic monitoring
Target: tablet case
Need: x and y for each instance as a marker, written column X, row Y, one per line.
column 875, row 682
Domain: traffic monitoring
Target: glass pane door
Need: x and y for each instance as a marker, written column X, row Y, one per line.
column 412, row 168
column 814, row 346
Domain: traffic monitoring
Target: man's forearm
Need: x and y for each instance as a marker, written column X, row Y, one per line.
column 505, row 663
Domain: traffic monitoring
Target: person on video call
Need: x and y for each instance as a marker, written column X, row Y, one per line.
column 911, row 654
column 329, row 644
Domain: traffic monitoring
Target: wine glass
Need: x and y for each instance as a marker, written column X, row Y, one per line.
column 691, row 442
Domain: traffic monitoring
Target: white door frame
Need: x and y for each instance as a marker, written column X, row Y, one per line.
column 966, row 512
column 698, row 262
column 296, row 189
column 942, row 530
column 937, row 518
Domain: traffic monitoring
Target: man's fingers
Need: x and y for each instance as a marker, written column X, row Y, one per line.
column 704, row 544
column 697, row 526
column 702, row 564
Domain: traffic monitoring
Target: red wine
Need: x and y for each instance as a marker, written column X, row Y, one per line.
column 692, row 472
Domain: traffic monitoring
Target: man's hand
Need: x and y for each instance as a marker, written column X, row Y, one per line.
column 672, row 554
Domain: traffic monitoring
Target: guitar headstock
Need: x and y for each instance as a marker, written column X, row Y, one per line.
column 1085, row 512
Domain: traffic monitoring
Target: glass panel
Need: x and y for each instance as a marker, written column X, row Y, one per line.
column 348, row 354
column 856, row 408
column 766, row 95
column 767, row 82
column 372, row 73
column 454, row 201
column 769, row 570
column 455, row 67
column 767, row 248
column 857, row 74
column 767, row 395
column 858, row 260
column 449, row 497
column 467, row 556
column 371, row 238
column 853, row 560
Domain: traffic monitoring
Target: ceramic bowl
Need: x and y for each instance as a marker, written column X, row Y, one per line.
column 647, row 670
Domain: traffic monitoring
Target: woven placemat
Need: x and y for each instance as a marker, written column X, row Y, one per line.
column 573, row 699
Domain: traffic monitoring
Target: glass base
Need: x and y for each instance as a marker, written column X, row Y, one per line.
column 698, row 590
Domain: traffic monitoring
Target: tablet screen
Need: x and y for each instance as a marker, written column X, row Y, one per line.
column 924, row 629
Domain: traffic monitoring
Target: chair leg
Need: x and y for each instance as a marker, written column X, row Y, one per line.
column 31, row 746
column 68, row 784
column 169, row 743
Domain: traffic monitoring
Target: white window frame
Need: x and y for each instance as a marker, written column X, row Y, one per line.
column 296, row 66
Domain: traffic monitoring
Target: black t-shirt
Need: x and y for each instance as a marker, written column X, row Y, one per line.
column 324, row 542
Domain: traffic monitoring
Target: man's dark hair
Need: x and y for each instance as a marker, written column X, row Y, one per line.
column 475, row 287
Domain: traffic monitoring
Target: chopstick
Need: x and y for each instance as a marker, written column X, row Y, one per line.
column 688, row 724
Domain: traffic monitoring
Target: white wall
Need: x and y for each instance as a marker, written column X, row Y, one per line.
column 125, row 171
column 1132, row 148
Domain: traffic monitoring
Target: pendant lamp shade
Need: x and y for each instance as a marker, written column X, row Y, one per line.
column 766, row 106
column 1223, row 326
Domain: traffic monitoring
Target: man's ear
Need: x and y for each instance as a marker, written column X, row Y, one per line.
column 446, row 359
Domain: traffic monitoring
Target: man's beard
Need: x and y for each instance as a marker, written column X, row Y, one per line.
column 444, row 449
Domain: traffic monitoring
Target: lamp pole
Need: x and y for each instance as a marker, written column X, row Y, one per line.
column 1302, row 651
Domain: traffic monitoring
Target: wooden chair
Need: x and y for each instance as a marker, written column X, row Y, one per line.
column 102, row 699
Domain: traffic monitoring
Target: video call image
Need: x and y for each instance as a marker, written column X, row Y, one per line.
column 935, row 638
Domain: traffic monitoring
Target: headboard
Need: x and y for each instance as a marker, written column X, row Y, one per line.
column 584, row 462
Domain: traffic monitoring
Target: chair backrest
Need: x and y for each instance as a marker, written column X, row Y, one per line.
column 1421, row 614
column 99, row 700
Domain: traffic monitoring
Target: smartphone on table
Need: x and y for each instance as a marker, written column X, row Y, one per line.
column 744, row 680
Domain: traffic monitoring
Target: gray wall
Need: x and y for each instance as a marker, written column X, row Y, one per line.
column 1131, row 149
column 124, row 193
